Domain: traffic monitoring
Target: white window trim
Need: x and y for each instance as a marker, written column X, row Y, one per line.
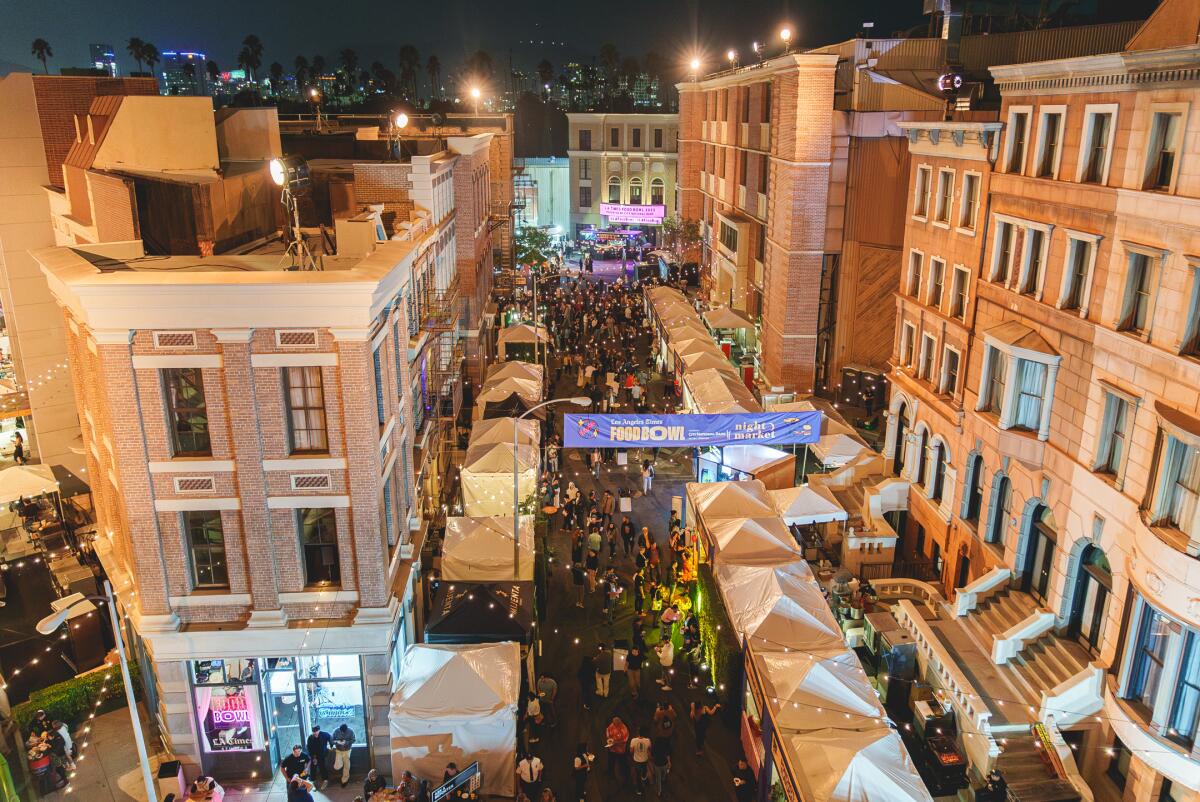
column 1043, row 113
column 908, row 334
column 937, row 197
column 1089, row 120
column 926, row 372
column 928, row 169
column 1012, row 354
column 1085, row 295
column 1166, row 108
column 1108, row 388
column 1008, row 138
column 930, row 283
column 942, row 388
column 1047, row 230
column 1158, row 264
column 908, row 279
column 1191, row 327
column 997, row 238
column 965, row 271
column 961, row 228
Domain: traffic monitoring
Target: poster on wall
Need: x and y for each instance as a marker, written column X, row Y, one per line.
column 228, row 717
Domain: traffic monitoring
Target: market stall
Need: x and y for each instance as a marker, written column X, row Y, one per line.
column 515, row 369
column 842, row 765
column 521, row 341
column 752, row 541
column 774, row 467
column 807, row 504
column 709, row 502
column 501, row 430
column 818, row 691
column 481, row 549
column 481, row 612
column 457, row 704
column 835, row 450
column 510, row 406
column 775, row 610
column 529, row 390
column 487, row 478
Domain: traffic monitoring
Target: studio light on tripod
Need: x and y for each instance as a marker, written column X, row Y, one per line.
column 291, row 173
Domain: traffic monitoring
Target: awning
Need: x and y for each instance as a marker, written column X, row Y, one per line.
column 26, row 481
column 725, row 318
column 835, row 450
column 706, row 360
column 522, row 333
column 817, row 692
column 808, row 504
column 715, row 500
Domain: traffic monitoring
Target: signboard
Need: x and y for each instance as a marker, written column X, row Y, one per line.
column 649, row 214
column 228, row 718
column 464, row 785
column 623, row 431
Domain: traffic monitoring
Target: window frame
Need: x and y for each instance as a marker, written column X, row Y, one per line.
column 1189, row 343
column 1029, row 282
column 614, row 181
column 1155, row 265
column 1013, row 356
column 190, row 546
column 943, row 387
column 1092, row 243
column 585, row 139
column 1003, row 225
column 922, row 186
column 287, row 387
column 1044, row 114
column 937, row 280
column 927, row 357
column 635, row 181
column 588, row 190
column 1090, row 112
column 1180, row 109
column 916, row 268
column 328, row 513
column 172, row 410
column 635, row 137
column 614, row 137
column 661, row 186
column 908, row 344
column 969, row 226
column 944, row 202
column 1009, row 142
column 961, row 279
column 1110, row 394
column 657, row 139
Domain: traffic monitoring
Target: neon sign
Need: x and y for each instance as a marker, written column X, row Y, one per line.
column 637, row 214
column 230, row 710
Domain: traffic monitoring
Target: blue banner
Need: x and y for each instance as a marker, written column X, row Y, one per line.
column 632, row 431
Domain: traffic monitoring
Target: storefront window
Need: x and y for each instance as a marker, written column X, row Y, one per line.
column 331, row 688
column 227, row 706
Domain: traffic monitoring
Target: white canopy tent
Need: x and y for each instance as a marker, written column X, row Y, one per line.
column 807, row 504
column 458, row 703
column 520, row 334
column 816, row 692
column 835, row 450
column 515, row 369
column 753, row 541
column 706, row 360
column 487, row 478
column 481, row 549
column 778, row 607
column 501, row 430
column 714, row 500
column 529, row 390
column 26, row 481
column 833, row 765
column 725, row 318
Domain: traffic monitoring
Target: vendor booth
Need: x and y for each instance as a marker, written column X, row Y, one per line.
column 487, row 478
column 835, row 450
column 771, row 466
column 516, row 369
column 775, row 610
column 521, row 341
column 457, row 704
column 807, row 504
column 502, row 430
column 752, row 541
column 843, row 765
column 481, row 549
column 709, row 502
column 817, row 692
column 510, row 406
column 481, row 612
column 529, row 390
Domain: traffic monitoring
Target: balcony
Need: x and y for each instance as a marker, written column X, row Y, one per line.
column 442, row 309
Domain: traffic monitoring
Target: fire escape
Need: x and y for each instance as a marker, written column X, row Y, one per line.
column 441, row 319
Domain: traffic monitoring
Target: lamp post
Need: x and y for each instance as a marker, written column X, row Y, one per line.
column 52, row 622
column 475, row 93
column 786, row 35
column 695, row 65
column 579, row 401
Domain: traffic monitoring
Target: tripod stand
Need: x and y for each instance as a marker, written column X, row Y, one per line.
column 298, row 253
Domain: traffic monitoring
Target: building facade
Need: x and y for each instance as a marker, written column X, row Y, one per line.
column 104, row 58
column 184, row 72
column 1060, row 464
column 625, row 160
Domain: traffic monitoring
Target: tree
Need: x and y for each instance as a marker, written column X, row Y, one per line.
column 531, row 246
column 318, row 66
column 252, row 49
column 276, row 73
column 434, row 67
column 42, row 51
column 349, row 60
column 301, row 66
column 214, row 72
column 410, row 64
column 136, row 48
column 384, row 78
column 150, row 55
column 480, row 66
column 681, row 235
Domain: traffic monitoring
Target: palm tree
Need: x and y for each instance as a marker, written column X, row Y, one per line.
column 410, row 63
column 301, row 64
column 42, row 51
column 214, row 72
column 252, row 48
column 276, row 72
column 349, row 65
column 150, row 55
column 137, row 49
column 434, row 67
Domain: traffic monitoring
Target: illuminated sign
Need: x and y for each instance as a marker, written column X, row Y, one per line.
column 230, row 710
column 693, row 431
column 637, row 214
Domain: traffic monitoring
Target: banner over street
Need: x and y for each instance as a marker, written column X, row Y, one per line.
column 632, row 430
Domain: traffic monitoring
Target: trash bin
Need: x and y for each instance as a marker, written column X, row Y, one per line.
column 170, row 779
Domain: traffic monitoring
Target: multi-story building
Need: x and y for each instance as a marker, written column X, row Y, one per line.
column 1052, row 429
column 39, row 124
column 625, row 162
column 104, row 58
column 184, row 73
column 543, row 193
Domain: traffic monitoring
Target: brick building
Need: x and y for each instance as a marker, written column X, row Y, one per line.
column 38, row 116
column 1051, row 430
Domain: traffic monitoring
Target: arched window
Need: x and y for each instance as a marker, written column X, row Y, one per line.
column 614, row 190
column 1089, row 605
column 923, row 458
column 635, row 190
column 998, row 515
column 656, row 191
column 974, row 489
column 1041, row 533
column 939, row 472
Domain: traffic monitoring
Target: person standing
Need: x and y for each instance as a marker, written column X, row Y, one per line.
column 529, row 772
column 604, row 668
column 579, row 580
column 580, row 767
column 660, row 762
column 744, row 782
column 19, row 449
column 664, row 721
column 533, row 718
column 633, row 669
column 295, row 764
column 639, row 752
column 617, row 744
column 547, row 690
column 607, row 504
column 627, row 534
column 318, row 746
column 587, row 680
column 701, row 715
column 343, row 742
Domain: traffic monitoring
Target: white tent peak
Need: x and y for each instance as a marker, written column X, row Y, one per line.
column 849, row 766
column 454, row 681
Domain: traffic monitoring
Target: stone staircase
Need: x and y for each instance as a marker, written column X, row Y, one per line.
column 1029, row 776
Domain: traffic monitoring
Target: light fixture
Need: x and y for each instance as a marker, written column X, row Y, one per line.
column 290, row 172
column 695, row 64
column 475, row 92
column 314, row 93
column 731, row 55
column 400, row 120
column 785, row 34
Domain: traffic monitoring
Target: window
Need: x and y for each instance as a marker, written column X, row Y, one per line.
column 585, row 168
column 1080, row 253
column 614, row 138
column 1176, row 483
column 636, row 133
column 743, row 166
column 945, row 195
column 377, row 364
column 992, row 396
column 1170, row 792
column 949, row 382
column 1035, row 245
column 763, row 165
column 1149, row 657
column 1031, row 391
column 614, row 190
column 1185, row 708
column 318, row 546
column 635, row 191
column 1191, row 326
column 937, row 278
column 908, row 338
column 305, row 397
column 998, row 515
column 1135, row 312
column 1162, row 158
column 958, row 293
column 938, row 485
column 1118, row 764
column 970, row 201
column 585, row 197
column 1114, row 433
column 760, row 247
column 974, row 497
column 187, row 413
column 1049, row 141
column 766, row 109
column 729, row 237
column 921, row 192
column 657, row 188
column 585, row 139
column 1018, row 130
column 658, row 139
column 922, row 464
column 1097, row 134
column 745, row 104
column 205, row 539
column 1006, row 234
column 925, row 366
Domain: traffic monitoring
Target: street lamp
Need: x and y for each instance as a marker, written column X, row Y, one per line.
column 55, row 620
column 785, row 34
column 695, row 65
column 731, row 55
column 475, row 93
column 579, row 401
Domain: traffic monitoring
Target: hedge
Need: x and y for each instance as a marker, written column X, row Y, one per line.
column 74, row 700
column 721, row 646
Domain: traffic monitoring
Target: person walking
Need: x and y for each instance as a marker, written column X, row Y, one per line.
column 744, row 782
column 318, row 746
column 581, row 766
column 612, row 594
column 579, row 580
column 639, row 753
column 547, row 690
column 660, row 762
column 666, row 659
column 343, row 742
column 663, row 724
column 529, row 772
column 533, row 718
column 604, row 668
column 611, row 536
column 701, row 715
column 607, row 504
column 633, row 669
column 617, row 746
column 627, row 534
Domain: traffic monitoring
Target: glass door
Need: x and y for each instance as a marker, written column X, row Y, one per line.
column 1089, row 608
column 1039, row 555
column 281, row 705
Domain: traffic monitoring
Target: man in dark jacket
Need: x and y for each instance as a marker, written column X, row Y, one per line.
column 319, row 744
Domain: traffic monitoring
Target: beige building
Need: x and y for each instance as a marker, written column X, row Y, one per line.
column 1048, row 413
column 624, row 160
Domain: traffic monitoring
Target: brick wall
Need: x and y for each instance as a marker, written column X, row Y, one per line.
column 116, row 208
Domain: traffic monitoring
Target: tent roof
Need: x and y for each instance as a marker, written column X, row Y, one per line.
column 443, row 681
column 705, row 360
column 523, row 333
column 480, row 612
column 725, row 318
column 501, row 430
column 717, row 391
column 778, row 608
column 715, row 500
column 753, row 457
column 481, row 549
column 812, row 693
column 499, row 389
column 25, row 481
column 498, row 458
column 753, row 541
column 807, row 504
column 514, row 368
column 851, row 766
column 507, row 407
column 837, row 449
